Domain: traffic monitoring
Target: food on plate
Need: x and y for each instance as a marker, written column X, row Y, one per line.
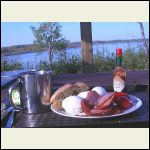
column 122, row 99
column 57, row 104
column 100, row 90
column 118, row 94
column 110, row 103
column 105, row 100
column 83, row 94
column 66, row 91
column 62, row 93
column 123, row 102
column 101, row 106
column 72, row 105
column 83, row 86
column 92, row 97
column 77, row 99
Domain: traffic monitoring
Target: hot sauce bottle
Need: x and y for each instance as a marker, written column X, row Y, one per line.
column 119, row 73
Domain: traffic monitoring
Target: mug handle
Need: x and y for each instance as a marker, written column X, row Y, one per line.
column 14, row 96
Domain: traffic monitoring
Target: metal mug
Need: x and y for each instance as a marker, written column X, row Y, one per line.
column 33, row 92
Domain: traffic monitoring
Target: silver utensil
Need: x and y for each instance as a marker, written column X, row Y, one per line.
column 11, row 118
column 5, row 109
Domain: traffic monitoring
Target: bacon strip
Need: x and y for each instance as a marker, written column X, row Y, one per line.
column 105, row 100
column 105, row 105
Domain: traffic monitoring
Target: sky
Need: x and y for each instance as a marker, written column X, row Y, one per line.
column 19, row 33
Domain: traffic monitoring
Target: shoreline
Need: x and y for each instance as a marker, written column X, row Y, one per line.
column 22, row 49
column 24, row 52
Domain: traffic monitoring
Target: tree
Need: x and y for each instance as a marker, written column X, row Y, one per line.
column 48, row 34
column 143, row 36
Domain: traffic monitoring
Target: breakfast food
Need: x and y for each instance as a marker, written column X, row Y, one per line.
column 122, row 99
column 83, row 94
column 62, row 93
column 58, row 104
column 66, row 91
column 109, row 104
column 92, row 98
column 72, row 105
column 100, row 90
column 72, row 99
column 83, row 86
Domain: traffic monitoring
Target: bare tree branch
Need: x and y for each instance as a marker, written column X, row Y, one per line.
column 143, row 36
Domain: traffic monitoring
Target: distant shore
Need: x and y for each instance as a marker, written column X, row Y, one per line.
column 30, row 48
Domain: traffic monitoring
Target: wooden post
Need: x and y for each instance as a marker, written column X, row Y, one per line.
column 86, row 44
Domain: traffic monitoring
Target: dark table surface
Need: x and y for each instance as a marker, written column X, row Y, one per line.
column 137, row 87
column 139, row 118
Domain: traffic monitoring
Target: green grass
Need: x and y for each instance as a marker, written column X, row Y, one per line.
column 10, row 65
column 103, row 61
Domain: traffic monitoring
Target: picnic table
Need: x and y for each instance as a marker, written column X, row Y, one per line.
column 137, row 84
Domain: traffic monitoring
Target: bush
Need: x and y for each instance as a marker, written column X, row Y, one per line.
column 135, row 60
column 10, row 65
column 62, row 65
column 67, row 65
column 103, row 61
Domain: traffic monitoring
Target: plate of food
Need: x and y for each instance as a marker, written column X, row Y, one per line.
column 79, row 101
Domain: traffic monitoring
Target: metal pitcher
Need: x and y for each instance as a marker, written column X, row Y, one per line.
column 32, row 91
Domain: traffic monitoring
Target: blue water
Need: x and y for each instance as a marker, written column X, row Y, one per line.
column 36, row 57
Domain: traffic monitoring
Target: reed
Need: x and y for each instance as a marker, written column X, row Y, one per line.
column 103, row 61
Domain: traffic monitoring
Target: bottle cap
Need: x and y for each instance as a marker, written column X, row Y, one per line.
column 119, row 52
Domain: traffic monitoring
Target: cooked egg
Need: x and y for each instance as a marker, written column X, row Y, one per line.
column 72, row 105
column 100, row 90
column 83, row 94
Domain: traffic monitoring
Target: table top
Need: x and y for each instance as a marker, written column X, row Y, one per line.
column 92, row 79
column 139, row 118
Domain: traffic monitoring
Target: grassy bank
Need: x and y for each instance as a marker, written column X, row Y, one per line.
column 103, row 61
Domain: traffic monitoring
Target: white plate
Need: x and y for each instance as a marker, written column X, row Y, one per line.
column 136, row 102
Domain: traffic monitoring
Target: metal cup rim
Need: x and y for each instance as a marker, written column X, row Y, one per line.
column 36, row 73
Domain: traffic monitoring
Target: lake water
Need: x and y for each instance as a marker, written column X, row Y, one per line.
column 36, row 57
